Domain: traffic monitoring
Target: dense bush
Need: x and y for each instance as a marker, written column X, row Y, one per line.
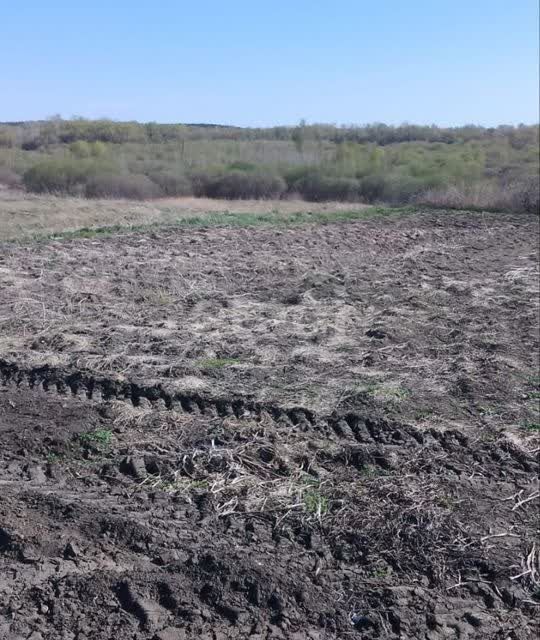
column 373, row 187
column 133, row 187
column 83, row 149
column 403, row 189
column 9, row 178
column 316, row 187
column 172, row 183
column 58, row 176
column 294, row 176
column 242, row 185
column 242, row 166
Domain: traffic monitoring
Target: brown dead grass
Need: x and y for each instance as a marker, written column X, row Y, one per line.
column 23, row 215
column 426, row 315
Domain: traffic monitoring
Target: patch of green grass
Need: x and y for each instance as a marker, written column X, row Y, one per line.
column 100, row 437
column 447, row 502
column 533, row 381
column 381, row 572
column 315, row 503
column 229, row 219
column 53, row 458
column 160, row 297
column 346, row 348
column 310, row 481
column 382, row 391
column 371, row 471
column 533, row 427
column 199, row 484
column 421, row 414
column 396, row 393
column 217, row 363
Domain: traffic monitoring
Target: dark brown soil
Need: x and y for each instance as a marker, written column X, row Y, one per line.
column 327, row 432
column 139, row 523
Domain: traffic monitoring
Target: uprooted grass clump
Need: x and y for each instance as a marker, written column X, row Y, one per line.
column 98, row 437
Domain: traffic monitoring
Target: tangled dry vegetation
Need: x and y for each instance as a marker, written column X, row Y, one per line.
column 318, row 431
column 29, row 217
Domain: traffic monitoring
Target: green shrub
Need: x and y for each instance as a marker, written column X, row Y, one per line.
column 316, row 188
column 61, row 176
column 80, row 149
column 244, row 185
column 295, row 175
column 242, row 166
column 201, row 179
column 97, row 148
column 133, row 187
column 172, row 183
column 403, row 189
column 373, row 188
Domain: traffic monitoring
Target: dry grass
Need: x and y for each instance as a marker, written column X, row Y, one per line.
column 331, row 317
column 24, row 216
column 485, row 196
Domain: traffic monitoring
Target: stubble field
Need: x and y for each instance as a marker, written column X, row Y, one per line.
column 295, row 431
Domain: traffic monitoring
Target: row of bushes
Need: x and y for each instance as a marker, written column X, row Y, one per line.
column 95, row 178
column 90, row 179
column 86, row 177
column 378, row 187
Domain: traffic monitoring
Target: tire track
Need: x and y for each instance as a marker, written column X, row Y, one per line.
column 350, row 426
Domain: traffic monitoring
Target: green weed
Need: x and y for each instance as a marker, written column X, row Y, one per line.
column 371, row 471
column 100, row 437
column 382, row 391
column 533, row 427
column 381, row 572
column 229, row 220
column 315, row 503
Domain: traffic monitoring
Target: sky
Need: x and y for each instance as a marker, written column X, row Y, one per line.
column 255, row 63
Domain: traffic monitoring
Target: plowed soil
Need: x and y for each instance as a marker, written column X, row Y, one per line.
column 314, row 432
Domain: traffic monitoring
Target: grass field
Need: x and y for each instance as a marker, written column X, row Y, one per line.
column 25, row 216
column 267, row 420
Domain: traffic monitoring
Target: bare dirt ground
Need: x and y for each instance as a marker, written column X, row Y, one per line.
column 313, row 432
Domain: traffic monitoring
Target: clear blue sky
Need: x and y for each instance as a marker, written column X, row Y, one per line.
column 258, row 63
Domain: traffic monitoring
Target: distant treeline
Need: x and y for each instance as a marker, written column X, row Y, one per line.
column 461, row 167
column 33, row 135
